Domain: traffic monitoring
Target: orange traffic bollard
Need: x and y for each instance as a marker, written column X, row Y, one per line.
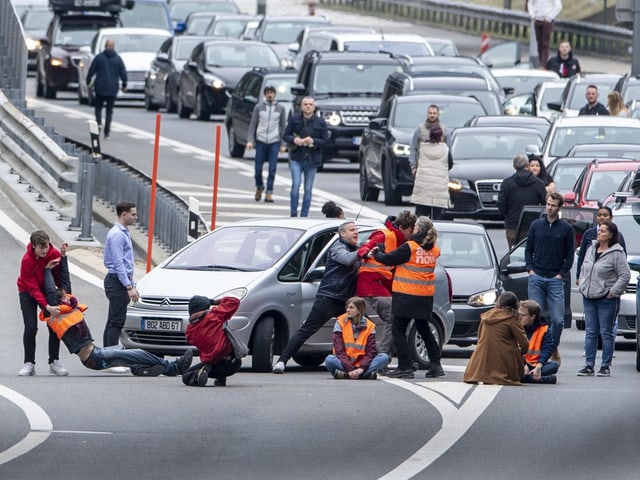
column 485, row 39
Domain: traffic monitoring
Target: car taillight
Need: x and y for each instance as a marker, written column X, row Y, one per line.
column 450, row 285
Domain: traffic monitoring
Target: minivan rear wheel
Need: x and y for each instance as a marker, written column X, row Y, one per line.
column 262, row 345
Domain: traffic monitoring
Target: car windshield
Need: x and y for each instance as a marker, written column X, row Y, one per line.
column 578, row 99
column 604, row 183
column 197, row 25
column 566, row 137
column 480, row 70
column 185, row 46
column 632, row 92
column 491, row 145
column 628, row 224
column 133, row 42
column 146, row 15
column 356, row 78
column 227, row 28
column 181, row 10
column 283, row 32
column 521, row 83
column 463, row 250
column 631, row 152
column 283, row 87
column 452, row 114
column 36, row 19
column 413, row 49
column 551, row 94
column 239, row 55
column 565, row 176
column 242, row 248
column 75, row 35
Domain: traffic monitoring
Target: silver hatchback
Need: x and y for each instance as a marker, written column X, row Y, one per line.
column 274, row 266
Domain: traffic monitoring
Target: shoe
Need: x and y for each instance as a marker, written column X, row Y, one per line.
column 549, row 379
column 586, row 371
column 203, row 376
column 117, row 370
column 385, row 371
column 184, row 362
column 371, row 376
column 107, row 136
column 340, row 375
column 27, row 370
column 279, row 367
column 555, row 356
column 220, row 382
column 604, row 372
column 56, row 368
column 154, row 371
column 397, row 373
column 268, row 198
column 259, row 191
column 434, row 371
column 294, row 215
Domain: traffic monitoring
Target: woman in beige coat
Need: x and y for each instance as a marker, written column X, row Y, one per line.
column 502, row 342
column 431, row 173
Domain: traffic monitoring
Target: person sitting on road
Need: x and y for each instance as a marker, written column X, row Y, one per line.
column 206, row 332
column 537, row 366
column 355, row 355
column 71, row 327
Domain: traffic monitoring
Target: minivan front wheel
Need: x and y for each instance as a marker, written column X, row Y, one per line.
column 417, row 346
column 262, row 345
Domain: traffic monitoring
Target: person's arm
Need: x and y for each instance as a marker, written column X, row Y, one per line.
column 339, row 348
column 92, row 71
column 557, row 8
column 413, row 150
column 253, row 124
column 529, row 251
column 123, row 75
column 449, row 158
column 520, row 336
column 623, row 275
column 371, row 350
column 622, row 243
column 283, row 122
column 225, row 308
column 546, row 349
column 116, row 245
column 319, row 142
column 503, row 201
column 341, row 254
column 584, row 245
column 375, row 238
column 400, row 255
column 289, row 132
column 569, row 251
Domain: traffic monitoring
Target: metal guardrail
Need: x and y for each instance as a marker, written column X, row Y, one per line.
column 509, row 24
column 13, row 55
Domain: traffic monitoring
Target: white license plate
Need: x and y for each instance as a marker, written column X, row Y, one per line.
column 494, row 197
column 162, row 325
column 87, row 3
column 356, row 140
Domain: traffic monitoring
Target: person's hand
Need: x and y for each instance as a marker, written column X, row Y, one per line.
column 249, row 146
column 63, row 249
column 53, row 310
column 537, row 372
column 558, row 276
column 355, row 374
column 577, row 281
column 124, row 89
column 413, row 171
column 53, row 263
column 298, row 141
column 134, row 296
column 283, row 149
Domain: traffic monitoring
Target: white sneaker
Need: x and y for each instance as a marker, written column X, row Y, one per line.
column 117, row 370
column 56, row 368
column 279, row 367
column 28, row 370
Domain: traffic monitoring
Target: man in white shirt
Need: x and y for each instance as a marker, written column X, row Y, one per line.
column 543, row 13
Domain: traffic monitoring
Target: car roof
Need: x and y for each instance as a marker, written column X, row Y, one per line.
column 596, row 120
column 451, row 81
column 523, row 72
column 610, row 164
column 429, row 98
column 594, row 77
column 349, row 57
column 497, row 129
column 116, row 31
column 304, row 223
column 296, row 18
column 510, row 119
column 459, row 226
column 606, row 146
column 441, row 60
column 213, row 41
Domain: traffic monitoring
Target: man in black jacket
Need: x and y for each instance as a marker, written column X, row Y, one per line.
column 108, row 68
column 564, row 64
column 520, row 189
column 593, row 106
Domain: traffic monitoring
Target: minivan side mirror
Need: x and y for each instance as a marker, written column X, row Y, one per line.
column 555, row 106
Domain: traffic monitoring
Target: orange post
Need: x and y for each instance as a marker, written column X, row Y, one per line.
column 216, row 169
column 154, row 183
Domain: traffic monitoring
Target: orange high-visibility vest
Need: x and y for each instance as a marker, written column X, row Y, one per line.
column 371, row 265
column 535, row 345
column 68, row 317
column 355, row 348
column 417, row 276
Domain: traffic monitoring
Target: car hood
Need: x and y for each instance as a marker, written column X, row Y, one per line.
column 467, row 281
column 402, row 135
column 337, row 103
column 481, row 169
column 281, row 49
column 229, row 75
column 136, row 61
column 166, row 282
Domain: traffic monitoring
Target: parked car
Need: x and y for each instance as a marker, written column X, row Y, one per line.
column 599, row 179
column 274, row 266
column 573, row 95
column 246, row 95
column 384, row 151
column 35, row 21
column 539, row 123
column 161, row 82
column 136, row 46
column 148, row 14
column 536, row 104
column 181, row 9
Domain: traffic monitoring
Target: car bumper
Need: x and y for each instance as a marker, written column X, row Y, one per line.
column 344, row 140
column 63, row 78
column 466, row 203
column 217, row 99
column 465, row 330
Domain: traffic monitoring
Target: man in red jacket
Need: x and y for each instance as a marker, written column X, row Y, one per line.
column 39, row 253
column 205, row 331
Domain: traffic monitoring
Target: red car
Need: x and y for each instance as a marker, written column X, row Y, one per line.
column 598, row 180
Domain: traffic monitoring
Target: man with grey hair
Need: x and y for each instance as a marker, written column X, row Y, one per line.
column 520, row 189
column 338, row 284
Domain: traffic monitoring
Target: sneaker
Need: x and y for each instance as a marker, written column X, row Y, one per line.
column 154, row 371
column 340, row 375
column 397, row 373
column 555, row 356
column 371, row 376
column 184, row 362
column 120, row 370
column 107, row 136
column 220, row 382
column 28, row 370
column 203, row 376
column 279, row 367
column 259, row 191
column 385, row 371
column 550, row 379
column 268, row 198
column 434, row 371
column 603, row 372
column 586, row 371
column 56, row 368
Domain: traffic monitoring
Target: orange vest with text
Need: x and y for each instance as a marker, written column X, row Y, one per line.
column 68, row 317
column 417, row 275
column 355, row 348
column 535, row 345
column 372, row 266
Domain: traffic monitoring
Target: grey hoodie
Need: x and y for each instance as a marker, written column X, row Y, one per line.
column 267, row 123
column 608, row 275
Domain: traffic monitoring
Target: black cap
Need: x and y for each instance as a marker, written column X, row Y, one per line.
column 198, row 303
column 269, row 88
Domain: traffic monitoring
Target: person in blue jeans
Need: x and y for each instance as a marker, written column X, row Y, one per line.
column 355, row 354
column 306, row 134
column 538, row 366
column 549, row 257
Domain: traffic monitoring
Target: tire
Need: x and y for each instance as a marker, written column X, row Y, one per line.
column 418, row 348
column 169, row 104
column 391, row 197
column 148, row 103
column 201, row 110
column 236, row 150
column 183, row 112
column 367, row 193
column 309, row 360
column 262, row 345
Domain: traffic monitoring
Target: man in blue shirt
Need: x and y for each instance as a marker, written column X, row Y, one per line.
column 119, row 286
column 549, row 256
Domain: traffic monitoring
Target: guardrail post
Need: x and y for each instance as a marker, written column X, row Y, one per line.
column 86, row 199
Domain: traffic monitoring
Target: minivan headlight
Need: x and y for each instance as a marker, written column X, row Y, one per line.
column 238, row 293
column 400, row 149
column 483, row 299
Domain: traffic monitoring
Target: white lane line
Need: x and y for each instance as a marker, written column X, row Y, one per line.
column 39, row 421
column 456, row 420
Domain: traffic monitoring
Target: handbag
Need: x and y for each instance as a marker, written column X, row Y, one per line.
column 240, row 349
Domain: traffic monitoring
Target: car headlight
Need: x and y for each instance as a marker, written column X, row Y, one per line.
column 57, row 62
column 32, row 44
column 238, row 293
column 483, row 299
column 400, row 149
column 217, row 83
column 457, row 184
column 332, row 118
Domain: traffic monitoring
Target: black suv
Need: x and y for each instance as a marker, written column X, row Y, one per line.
column 347, row 87
column 245, row 97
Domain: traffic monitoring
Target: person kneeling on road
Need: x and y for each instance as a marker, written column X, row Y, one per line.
column 537, row 366
column 206, row 332
column 69, row 325
column 355, row 355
